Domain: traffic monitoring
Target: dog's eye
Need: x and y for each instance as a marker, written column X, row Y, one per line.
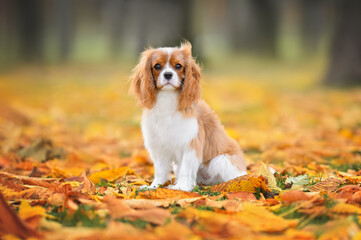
column 157, row 66
column 178, row 66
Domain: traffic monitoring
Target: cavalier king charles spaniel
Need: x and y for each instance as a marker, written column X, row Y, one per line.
column 180, row 131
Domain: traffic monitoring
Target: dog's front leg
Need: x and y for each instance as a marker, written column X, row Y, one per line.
column 162, row 168
column 187, row 172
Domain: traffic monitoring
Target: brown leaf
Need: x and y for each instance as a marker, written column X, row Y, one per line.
column 120, row 209
column 356, row 198
column 244, row 196
column 147, row 203
column 295, row 196
column 186, row 202
column 328, row 185
column 347, row 191
column 10, row 223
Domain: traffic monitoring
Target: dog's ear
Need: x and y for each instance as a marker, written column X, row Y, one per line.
column 191, row 88
column 142, row 82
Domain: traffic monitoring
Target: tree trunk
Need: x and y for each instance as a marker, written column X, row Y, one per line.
column 30, row 15
column 345, row 65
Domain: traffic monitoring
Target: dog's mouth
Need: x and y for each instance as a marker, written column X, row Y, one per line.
column 169, row 85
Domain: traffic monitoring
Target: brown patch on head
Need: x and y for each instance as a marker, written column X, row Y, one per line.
column 158, row 57
column 142, row 82
column 191, row 90
column 177, row 61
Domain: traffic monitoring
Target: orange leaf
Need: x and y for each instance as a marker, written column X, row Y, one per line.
column 294, row 196
column 164, row 193
column 10, row 223
column 244, row 196
column 120, row 209
column 223, row 186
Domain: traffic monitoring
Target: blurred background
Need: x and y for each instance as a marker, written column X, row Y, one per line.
column 267, row 70
column 230, row 36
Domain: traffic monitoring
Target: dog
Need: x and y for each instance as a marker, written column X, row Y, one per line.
column 180, row 131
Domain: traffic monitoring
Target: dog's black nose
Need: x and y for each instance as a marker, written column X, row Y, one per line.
column 168, row 75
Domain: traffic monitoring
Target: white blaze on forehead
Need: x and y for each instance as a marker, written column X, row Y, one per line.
column 169, row 51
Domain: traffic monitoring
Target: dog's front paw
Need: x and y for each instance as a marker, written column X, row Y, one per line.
column 182, row 187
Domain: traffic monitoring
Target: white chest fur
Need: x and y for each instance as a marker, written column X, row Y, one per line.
column 166, row 132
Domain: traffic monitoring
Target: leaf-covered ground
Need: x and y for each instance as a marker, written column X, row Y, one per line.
column 71, row 161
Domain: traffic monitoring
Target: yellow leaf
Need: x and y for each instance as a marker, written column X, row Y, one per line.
column 26, row 211
column 10, row 237
column 344, row 208
column 141, row 182
column 110, row 175
column 99, row 167
column 260, row 219
column 243, row 185
column 222, row 187
column 265, row 171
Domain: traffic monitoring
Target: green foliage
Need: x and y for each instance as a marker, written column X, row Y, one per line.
column 346, row 166
column 281, row 182
column 257, row 194
column 140, row 224
column 288, row 208
column 175, row 209
column 328, row 202
column 205, row 208
column 206, row 192
column 104, row 183
column 84, row 216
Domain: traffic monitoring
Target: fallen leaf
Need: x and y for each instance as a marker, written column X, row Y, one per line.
column 295, row 196
column 223, row 186
column 185, row 202
column 265, row 171
column 328, row 185
column 147, row 203
column 345, row 208
column 260, row 219
column 299, row 181
column 10, row 223
column 110, row 175
column 244, row 196
column 120, row 209
column 165, row 193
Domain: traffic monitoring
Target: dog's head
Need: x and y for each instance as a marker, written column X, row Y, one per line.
column 167, row 69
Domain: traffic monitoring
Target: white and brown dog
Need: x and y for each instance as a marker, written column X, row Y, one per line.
column 179, row 129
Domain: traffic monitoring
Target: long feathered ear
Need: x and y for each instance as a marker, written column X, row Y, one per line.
column 142, row 82
column 191, row 89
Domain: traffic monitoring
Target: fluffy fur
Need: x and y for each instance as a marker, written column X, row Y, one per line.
column 180, row 131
